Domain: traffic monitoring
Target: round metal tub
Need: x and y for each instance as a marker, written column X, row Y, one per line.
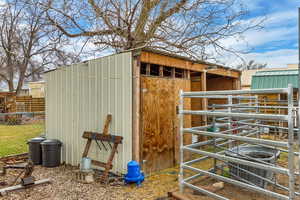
column 258, row 153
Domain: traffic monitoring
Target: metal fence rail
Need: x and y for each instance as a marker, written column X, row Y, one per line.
column 234, row 126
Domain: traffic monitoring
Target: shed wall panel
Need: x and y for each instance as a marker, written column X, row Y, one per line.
column 79, row 97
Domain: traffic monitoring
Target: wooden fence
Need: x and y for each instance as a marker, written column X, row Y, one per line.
column 29, row 104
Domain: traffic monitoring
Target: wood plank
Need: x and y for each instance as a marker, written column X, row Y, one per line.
column 237, row 84
column 158, row 59
column 109, row 163
column 161, row 71
column 136, row 86
column 148, row 69
column 188, row 74
column 204, row 102
column 157, row 123
column 196, row 104
column 160, row 138
column 224, row 83
column 106, row 125
column 101, row 164
column 104, row 138
column 173, row 73
column 224, row 72
column 87, row 148
column 149, row 57
column 29, row 104
column 177, row 196
column 185, row 85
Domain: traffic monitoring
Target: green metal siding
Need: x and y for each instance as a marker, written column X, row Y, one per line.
column 274, row 79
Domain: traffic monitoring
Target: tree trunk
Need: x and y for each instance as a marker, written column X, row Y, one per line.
column 20, row 82
column 21, row 77
column 10, row 84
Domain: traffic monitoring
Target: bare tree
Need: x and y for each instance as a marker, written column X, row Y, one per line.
column 27, row 44
column 193, row 28
column 251, row 65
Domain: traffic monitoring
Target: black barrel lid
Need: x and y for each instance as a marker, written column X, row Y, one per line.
column 36, row 140
column 51, row 142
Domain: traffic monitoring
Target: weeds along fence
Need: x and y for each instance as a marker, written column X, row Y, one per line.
column 22, row 118
column 243, row 143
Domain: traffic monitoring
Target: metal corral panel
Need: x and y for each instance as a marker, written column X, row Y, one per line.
column 79, row 97
column 274, row 79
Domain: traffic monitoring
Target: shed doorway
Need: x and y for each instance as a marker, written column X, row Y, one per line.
column 159, row 123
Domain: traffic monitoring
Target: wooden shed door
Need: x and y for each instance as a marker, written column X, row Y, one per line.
column 159, row 98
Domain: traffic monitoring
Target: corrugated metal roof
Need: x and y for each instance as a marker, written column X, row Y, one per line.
column 274, row 79
column 277, row 73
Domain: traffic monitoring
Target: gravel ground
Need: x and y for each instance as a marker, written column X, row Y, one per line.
column 156, row 186
column 64, row 187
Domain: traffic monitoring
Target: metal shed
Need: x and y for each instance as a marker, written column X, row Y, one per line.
column 140, row 89
column 79, row 97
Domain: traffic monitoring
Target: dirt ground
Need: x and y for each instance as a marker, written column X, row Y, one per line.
column 156, row 186
column 64, row 186
column 232, row 192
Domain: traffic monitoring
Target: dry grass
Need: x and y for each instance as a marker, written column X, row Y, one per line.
column 13, row 138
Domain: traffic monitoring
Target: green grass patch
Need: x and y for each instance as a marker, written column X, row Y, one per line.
column 13, row 139
column 226, row 172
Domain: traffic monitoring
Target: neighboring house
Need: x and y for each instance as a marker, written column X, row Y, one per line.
column 34, row 89
column 246, row 76
column 292, row 66
column 276, row 79
column 23, row 92
column 37, row 89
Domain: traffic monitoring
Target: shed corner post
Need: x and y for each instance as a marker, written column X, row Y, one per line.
column 237, row 83
column 136, row 85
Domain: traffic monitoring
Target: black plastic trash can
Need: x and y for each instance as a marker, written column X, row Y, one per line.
column 35, row 150
column 51, row 153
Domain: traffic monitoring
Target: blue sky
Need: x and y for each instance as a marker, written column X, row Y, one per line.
column 277, row 43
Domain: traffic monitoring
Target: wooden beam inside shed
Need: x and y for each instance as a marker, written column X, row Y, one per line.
column 173, row 72
column 161, row 71
column 148, row 69
column 188, row 74
column 165, row 60
column 224, row 72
